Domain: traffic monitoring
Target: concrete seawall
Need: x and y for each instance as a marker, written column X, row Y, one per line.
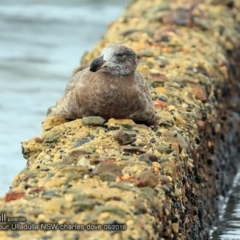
column 90, row 179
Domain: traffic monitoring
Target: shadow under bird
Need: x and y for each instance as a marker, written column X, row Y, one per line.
column 110, row 87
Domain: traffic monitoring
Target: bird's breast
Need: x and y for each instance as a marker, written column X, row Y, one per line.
column 109, row 97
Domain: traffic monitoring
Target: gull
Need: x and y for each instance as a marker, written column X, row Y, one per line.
column 110, row 87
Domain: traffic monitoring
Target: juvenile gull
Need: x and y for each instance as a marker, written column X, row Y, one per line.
column 110, row 88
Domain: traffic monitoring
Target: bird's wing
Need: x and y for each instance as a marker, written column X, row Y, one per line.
column 75, row 79
column 67, row 102
column 151, row 118
column 143, row 86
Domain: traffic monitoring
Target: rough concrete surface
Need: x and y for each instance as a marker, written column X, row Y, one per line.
column 159, row 183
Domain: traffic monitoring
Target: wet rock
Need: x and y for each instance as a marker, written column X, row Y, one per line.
column 147, row 193
column 52, row 137
column 126, row 158
column 162, row 98
column 121, row 185
column 32, row 145
column 158, row 134
column 164, row 149
column 178, row 84
column 160, row 90
column 182, row 16
column 110, row 209
column 153, row 95
column 99, row 160
column 140, row 206
column 148, row 158
column 202, row 23
column 167, row 190
column 222, row 2
column 110, row 160
column 49, row 175
column 27, row 174
column 117, row 123
column 36, row 189
column 164, row 179
column 13, row 235
column 199, row 92
column 156, row 84
column 27, row 186
column 49, row 194
column 175, row 228
column 176, row 148
column 45, row 169
column 166, row 118
column 84, row 162
column 74, row 154
column 129, row 32
column 124, row 137
column 74, row 171
column 163, row 60
column 104, row 167
column 160, row 104
column 162, row 7
column 81, row 141
column 93, row 121
column 131, row 149
column 147, row 179
column 163, row 33
column 175, row 137
column 13, row 195
column 6, row 209
column 107, row 177
column 157, row 77
column 145, row 159
column 82, row 205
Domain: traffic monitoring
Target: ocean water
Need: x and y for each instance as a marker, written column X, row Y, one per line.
column 228, row 225
column 41, row 42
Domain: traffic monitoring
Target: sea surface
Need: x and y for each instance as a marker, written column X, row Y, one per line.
column 41, row 42
column 228, row 225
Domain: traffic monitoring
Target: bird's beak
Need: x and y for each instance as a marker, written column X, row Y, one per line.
column 97, row 64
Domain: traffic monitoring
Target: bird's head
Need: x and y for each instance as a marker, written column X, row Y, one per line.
column 115, row 59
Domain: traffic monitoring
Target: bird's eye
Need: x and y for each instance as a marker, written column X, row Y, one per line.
column 120, row 54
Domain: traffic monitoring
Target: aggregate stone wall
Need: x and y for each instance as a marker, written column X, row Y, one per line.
column 129, row 181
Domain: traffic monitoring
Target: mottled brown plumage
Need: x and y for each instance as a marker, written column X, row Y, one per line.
column 111, row 88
